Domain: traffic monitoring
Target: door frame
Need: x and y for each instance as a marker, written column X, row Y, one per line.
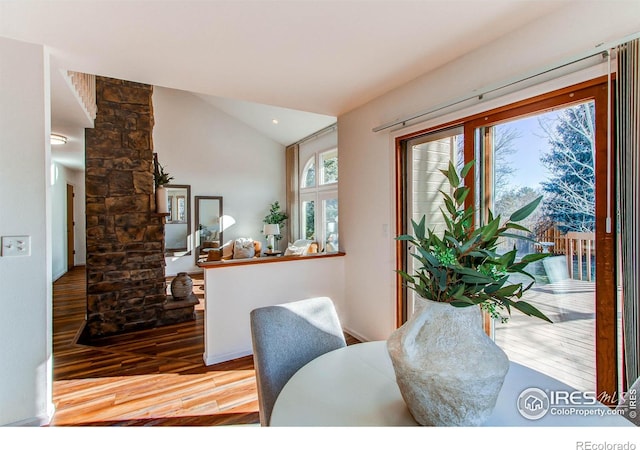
column 606, row 284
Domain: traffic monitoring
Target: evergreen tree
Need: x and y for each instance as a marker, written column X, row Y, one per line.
column 570, row 188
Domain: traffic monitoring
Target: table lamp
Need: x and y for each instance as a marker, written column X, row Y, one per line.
column 270, row 230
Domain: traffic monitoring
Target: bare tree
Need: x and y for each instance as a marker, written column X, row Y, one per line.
column 570, row 189
column 504, row 140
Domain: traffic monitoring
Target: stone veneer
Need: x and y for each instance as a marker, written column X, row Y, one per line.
column 126, row 287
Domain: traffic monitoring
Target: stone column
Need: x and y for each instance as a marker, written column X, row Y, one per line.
column 126, row 286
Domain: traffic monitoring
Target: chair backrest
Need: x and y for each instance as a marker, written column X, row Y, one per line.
column 632, row 393
column 286, row 337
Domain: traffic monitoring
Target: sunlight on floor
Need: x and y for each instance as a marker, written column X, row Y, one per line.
column 117, row 399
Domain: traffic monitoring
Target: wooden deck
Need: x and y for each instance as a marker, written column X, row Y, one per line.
column 564, row 349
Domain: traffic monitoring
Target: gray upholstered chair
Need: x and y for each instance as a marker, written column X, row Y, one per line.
column 286, row 337
column 633, row 392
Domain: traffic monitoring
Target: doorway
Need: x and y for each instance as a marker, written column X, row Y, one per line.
column 70, row 229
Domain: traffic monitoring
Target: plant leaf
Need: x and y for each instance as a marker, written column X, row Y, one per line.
column 460, row 194
column 534, row 257
column 516, row 226
column 451, row 174
column 525, row 211
column 466, row 168
column 490, row 229
column 530, row 310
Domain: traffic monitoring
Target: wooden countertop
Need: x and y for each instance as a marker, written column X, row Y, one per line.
column 265, row 260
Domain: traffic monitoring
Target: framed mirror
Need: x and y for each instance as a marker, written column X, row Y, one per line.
column 177, row 229
column 208, row 225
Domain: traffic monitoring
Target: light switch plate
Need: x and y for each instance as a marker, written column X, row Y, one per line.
column 16, row 245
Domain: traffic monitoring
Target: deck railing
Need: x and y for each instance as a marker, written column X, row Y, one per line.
column 577, row 246
column 582, row 245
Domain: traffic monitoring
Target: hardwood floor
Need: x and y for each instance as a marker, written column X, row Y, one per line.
column 146, row 378
column 564, row 349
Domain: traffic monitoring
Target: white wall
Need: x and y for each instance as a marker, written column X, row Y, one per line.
column 232, row 292
column 58, row 221
column 216, row 154
column 367, row 189
column 25, row 202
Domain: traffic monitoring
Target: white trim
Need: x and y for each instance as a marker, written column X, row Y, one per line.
column 355, row 335
column 225, row 357
column 37, row 421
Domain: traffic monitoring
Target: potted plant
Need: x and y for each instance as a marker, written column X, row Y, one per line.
column 443, row 347
column 275, row 217
column 161, row 178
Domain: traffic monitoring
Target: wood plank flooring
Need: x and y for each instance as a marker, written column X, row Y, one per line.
column 146, row 378
column 564, row 349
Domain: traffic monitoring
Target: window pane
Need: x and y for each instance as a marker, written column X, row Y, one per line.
column 551, row 155
column 308, row 219
column 181, row 209
column 170, row 207
column 309, row 174
column 329, row 164
column 331, row 224
column 427, row 156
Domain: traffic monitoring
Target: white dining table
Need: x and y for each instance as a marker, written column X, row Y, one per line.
column 356, row 386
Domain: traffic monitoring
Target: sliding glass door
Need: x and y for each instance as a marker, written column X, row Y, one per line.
column 555, row 145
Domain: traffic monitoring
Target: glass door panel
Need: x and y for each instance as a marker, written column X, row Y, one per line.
column 426, row 156
column 552, row 155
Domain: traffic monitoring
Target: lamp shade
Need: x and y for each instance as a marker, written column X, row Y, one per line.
column 226, row 222
column 271, row 229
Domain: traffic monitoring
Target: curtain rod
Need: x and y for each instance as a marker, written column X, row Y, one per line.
column 601, row 49
column 316, row 134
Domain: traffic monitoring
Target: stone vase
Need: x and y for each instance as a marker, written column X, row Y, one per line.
column 162, row 199
column 181, row 286
column 448, row 370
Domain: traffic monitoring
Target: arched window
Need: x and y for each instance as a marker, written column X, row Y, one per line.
column 309, row 174
column 319, row 200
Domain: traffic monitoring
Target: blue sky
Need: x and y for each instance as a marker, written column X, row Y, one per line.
column 529, row 170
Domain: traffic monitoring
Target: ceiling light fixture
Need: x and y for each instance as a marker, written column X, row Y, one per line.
column 275, row 121
column 58, row 139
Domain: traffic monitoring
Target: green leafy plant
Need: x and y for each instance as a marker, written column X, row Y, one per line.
column 161, row 177
column 276, row 217
column 462, row 266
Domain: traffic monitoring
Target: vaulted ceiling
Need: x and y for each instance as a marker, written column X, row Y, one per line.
column 309, row 59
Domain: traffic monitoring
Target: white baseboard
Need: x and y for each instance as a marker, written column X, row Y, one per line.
column 216, row 359
column 39, row 421
column 358, row 336
column 56, row 276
